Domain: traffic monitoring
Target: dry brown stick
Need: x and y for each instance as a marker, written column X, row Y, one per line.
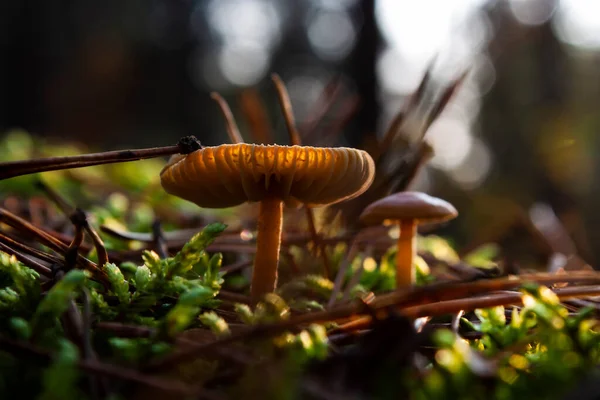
column 310, row 217
column 255, row 113
column 195, row 351
column 286, row 108
column 468, row 304
column 18, row 246
column 441, row 104
column 48, row 240
column 98, row 386
column 137, row 331
column 159, row 241
column 96, row 239
column 321, row 108
column 404, row 299
column 388, row 137
column 505, row 299
column 355, row 279
column 73, row 249
column 18, row 168
column 232, row 128
column 348, row 110
column 414, row 99
column 79, row 219
column 19, row 348
column 27, row 261
column 167, row 385
column 454, row 290
column 182, row 235
column 234, row 297
column 236, row 266
column 56, row 198
column 418, row 95
column 21, row 225
column 342, row 269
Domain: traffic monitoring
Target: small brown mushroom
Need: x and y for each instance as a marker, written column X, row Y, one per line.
column 409, row 209
column 231, row 174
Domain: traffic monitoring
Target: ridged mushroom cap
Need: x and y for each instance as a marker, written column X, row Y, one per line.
column 231, row 174
column 408, row 205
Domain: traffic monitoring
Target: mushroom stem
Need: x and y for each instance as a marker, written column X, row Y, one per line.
column 268, row 241
column 407, row 247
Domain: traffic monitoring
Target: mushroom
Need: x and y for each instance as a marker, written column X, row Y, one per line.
column 231, row 174
column 409, row 209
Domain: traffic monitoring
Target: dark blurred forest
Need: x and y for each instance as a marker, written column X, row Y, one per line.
column 515, row 150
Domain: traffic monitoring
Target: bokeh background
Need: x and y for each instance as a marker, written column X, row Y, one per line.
column 515, row 151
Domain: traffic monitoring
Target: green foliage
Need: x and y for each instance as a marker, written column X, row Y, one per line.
column 20, row 290
column 438, row 247
column 60, row 379
column 186, row 310
column 540, row 351
column 193, row 251
column 56, row 301
column 482, row 256
column 306, row 290
column 168, row 294
column 244, row 313
column 216, row 324
column 190, row 276
column 135, row 351
column 118, row 283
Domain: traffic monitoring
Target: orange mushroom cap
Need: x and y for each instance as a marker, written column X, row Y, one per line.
column 408, row 205
column 231, row 174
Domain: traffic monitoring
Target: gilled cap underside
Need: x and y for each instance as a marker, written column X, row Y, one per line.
column 231, row 174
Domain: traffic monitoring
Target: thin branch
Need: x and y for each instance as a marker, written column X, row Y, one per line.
column 136, row 331
column 256, row 117
column 341, row 274
column 158, row 240
column 413, row 101
column 27, row 261
column 453, row 290
column 28, row 250
column 62, row 204
column 355, row 279
column 48, row 240
column 348, row 110
column 73, row 249
column 441, row 104
column 236, row 266
column 233, row 297
column 232, row 128
column 17, row 168
column 400, row 299
column 310, row 217
column 389, row 136
column 97, row 240
column 286, row 108
column 468, row 304
column 321, row 108
column 19, row 348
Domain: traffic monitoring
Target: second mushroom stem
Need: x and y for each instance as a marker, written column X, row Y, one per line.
column 264, row 275
column 407, row 248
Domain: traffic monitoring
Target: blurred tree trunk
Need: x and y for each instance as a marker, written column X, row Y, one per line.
column 362, row 70
column 21, row 69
